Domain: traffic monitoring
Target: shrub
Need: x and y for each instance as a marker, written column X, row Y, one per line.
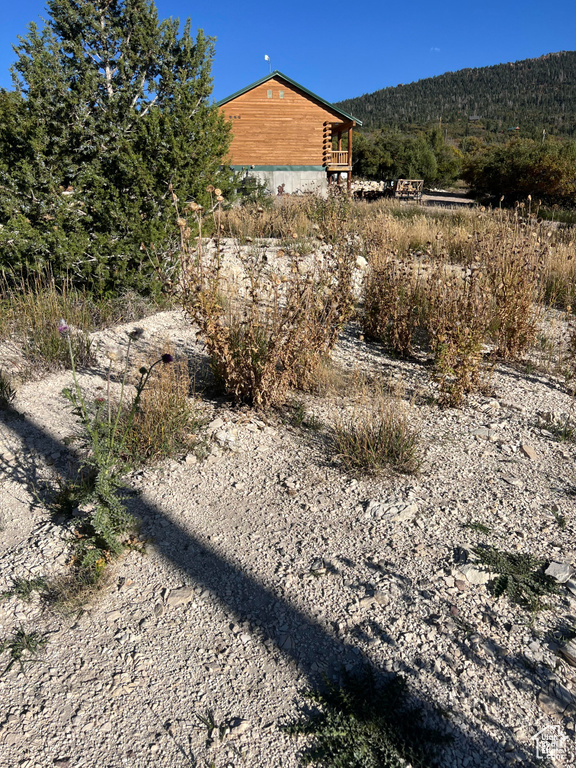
column 456, row 324
column 361, row 724
column 470, row 287
column 267, row 322
column 378, row 434
column 393, row 297
column 524, row 167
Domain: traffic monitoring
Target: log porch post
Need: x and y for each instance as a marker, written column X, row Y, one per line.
column 349, row 184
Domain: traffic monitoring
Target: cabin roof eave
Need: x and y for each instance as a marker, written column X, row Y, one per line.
column 276, row 73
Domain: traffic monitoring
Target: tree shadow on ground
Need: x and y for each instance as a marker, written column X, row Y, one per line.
column 296, row 635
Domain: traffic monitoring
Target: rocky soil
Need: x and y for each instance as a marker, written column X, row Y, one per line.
column 267, row 565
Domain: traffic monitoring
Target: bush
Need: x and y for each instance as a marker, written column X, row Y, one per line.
column 378, row 434
column 267, row 321
column 458, row 292
column 362, row 724
column 523, row 168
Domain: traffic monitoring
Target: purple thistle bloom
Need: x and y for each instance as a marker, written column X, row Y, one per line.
column 62, row 327
column 166, row 358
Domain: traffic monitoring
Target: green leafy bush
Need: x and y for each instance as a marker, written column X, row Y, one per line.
column 523, row 168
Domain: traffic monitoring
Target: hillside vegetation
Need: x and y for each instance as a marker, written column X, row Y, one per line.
column 534, row 94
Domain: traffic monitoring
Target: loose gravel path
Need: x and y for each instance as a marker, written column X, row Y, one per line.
column 268, row 566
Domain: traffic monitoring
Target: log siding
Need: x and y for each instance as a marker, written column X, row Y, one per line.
column 287, row 130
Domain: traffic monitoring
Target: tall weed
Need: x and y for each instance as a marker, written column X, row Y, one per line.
column 268, row 319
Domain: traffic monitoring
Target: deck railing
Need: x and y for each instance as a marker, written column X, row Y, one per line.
column 339, row 157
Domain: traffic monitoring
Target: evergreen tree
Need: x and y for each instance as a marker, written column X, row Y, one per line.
column 111, row 107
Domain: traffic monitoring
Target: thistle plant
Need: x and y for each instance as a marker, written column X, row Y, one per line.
column 267, row 328
column 22, row 648
column 106, row 428
column 517, row 575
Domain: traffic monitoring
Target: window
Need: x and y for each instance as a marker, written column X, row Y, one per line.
column 270, row 93
column 281, row 94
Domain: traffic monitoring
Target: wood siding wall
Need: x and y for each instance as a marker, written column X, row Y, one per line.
column 287, row 131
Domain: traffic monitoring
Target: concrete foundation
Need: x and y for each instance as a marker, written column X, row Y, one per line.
column 291, row 180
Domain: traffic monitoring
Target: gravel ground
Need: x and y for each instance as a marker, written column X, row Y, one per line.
column 268, row 566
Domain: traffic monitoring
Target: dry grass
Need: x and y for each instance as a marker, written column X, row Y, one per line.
column 31, row 309
column 169, row 416
column 269, row 322
column 377, row 433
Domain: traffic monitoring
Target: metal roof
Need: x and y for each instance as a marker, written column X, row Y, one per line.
column 276, row 73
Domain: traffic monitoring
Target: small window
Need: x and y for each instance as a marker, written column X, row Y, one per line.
column 281, row 94
column 270, row 93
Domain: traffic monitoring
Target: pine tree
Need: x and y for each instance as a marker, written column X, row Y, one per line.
column 115, row 107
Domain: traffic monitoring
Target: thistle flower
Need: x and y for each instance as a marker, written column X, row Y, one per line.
column 166, row 358
column 217, row 192
column 136, row 333
column 63, row 327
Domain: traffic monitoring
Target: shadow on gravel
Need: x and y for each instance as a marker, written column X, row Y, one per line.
column 519, row 373
column 309, row 645
column 24, row 469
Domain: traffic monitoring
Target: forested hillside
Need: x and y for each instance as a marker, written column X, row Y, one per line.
column 533, row 94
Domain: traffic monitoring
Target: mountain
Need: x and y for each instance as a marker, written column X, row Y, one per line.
column 533, row 94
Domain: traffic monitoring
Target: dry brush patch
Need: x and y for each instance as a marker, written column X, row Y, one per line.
column 492, row 299
column 32, row 306
column 268, row 320
column 378, row 431
column 465, row 287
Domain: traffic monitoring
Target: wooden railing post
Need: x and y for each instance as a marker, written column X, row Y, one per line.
column 349, row 185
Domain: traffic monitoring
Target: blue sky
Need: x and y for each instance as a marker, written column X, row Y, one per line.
column 343, row 49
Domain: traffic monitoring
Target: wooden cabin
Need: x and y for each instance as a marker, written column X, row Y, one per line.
column 288, row 137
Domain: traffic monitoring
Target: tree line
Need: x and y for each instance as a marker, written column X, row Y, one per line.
column 533, row 94
column 391, row 154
